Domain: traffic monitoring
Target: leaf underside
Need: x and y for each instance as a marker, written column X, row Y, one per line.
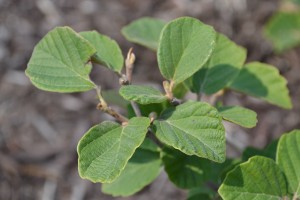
column 195, row 128
column 106, row 148
column 258, row 178
column 59, row 62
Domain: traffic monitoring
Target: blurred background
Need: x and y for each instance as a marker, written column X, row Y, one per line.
column 39, row 130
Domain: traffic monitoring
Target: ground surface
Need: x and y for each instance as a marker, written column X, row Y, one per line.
column 39, row 130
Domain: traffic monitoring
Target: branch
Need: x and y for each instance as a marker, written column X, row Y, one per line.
column 103, row 106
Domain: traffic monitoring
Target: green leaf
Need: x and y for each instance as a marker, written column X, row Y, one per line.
column 223, row 66
column 195, row 128
column 183, row 170
column 228, row 165
column 283, row 30
column 263, row 81
column 258, row 178
column 288, row 158
column 239, row 115
column 142, row 94
column 141, row 170
column 199, row 196
column 185, row 46
column 269, row 151
column 108, row 50
column 106, row 148
column 147, row 109
column 200, row 193
column 296, row 2
column 144, row 31
column 59, row 62
column 180, row 90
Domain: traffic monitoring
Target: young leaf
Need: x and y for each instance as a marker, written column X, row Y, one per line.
column 183, row 170
column 106, row 148
column 288, row 158
column 239, row 115
column 141, row 170
column 185, row 46
column 144, row 31
column 223, row 66
column 263, row 81
column 108, row 50
column 195, row 128
column 283, row 30
column 258, row 178
column 142, row 94
column 59, row 62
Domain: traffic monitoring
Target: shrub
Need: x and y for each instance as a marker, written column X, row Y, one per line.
column 187, row 137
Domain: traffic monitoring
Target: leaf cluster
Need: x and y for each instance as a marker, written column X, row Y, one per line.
column 187, row 137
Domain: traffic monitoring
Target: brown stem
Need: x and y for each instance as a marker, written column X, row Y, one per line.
column 112, row 112
column 103, row 106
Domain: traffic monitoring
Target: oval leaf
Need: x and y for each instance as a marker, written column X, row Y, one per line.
column 144, row 31
column 59, row 62
column 288, row 158
column 185, row 46
column 142, row 94
column 141, row 170
column 283, row 30
column 239, row 115
column 108, row 50
column 258, row 178
column 263, row 81
column 183, row 170
column 223, row 66
column 106, row 148
column 195, row 128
